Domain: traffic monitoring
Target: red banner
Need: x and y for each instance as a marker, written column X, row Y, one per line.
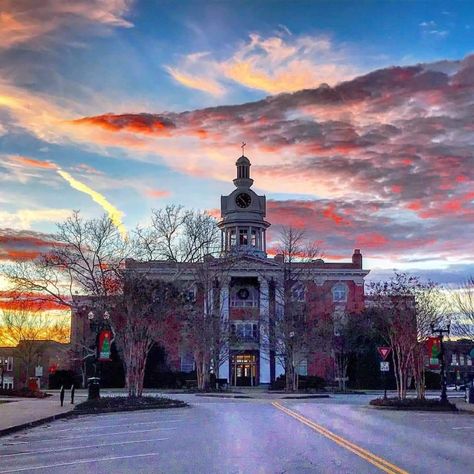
column 433, row 350
column 104, row 345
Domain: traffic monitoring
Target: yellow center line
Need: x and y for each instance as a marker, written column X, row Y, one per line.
column 377, row 461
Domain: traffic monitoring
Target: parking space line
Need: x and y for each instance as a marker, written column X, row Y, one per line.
column 85, row 461
column 377, row 461
column 94, row 435
column 114, row 426
column 57, row 450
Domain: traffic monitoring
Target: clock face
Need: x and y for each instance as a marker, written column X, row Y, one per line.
column 243, row 200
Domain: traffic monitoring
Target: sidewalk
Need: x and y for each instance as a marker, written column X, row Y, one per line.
column 20, row 413
column 463, row 406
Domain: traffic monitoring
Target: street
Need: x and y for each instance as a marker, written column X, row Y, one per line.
column 336, row 435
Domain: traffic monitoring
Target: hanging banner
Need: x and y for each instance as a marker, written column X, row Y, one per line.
column 104, row 345
column 433, row 349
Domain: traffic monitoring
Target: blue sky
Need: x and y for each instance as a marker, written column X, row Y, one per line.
column 64, row 67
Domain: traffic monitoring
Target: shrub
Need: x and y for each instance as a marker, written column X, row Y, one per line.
column 413, row 404
column 24, row 392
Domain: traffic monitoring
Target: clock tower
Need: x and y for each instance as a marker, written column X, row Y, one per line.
column 243, row 224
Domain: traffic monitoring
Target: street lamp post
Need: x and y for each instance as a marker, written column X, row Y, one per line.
column 441, row 332
column 96, row 326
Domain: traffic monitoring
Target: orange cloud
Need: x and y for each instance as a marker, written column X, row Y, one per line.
column 31, row 162
column 135, row 123
column 204, row 84
column 157, row 193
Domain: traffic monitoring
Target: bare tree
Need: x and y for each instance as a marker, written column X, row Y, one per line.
column 191, row 238
column 179, row 235
column 205, row 331
column 86, row 256
column 142, row 316
column 296, row 333
column 463, row 299
column 405, row 308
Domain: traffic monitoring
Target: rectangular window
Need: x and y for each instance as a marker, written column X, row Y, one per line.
column 469, row 360
column 254, row 238
column 461, row 359
column 243, row 237
column 303, row 368
column 187, row 362
column 454, row 360
column 10, row 364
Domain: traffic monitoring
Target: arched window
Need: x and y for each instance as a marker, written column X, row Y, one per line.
column 339, row 292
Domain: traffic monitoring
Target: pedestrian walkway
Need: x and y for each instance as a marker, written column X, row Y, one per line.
column 20, row 413
column 463, row 406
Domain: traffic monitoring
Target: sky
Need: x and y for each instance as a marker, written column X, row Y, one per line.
column 357, row 118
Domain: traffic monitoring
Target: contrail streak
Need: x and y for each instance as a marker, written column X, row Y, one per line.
column 114, row 214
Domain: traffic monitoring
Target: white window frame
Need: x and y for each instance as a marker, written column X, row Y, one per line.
column 9, row 364
column 336, row 290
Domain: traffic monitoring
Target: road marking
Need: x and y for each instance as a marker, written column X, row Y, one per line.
column 85, row 461
column 56, row 450
column 93, row 435
column 377, row 461
column 463, row 428
column 116, row 425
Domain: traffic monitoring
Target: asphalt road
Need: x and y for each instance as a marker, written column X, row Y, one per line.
column 337, row 435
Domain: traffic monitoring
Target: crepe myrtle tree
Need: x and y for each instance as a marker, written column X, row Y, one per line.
column 143, row 315
column 294, row 329
column 403, row 309
column 192, row 239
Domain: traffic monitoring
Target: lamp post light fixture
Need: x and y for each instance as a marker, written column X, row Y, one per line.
column 441, row 332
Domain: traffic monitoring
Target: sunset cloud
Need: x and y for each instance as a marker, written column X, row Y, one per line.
column 384, row 159
column 25, row 218
column 20, row 245
column 157, row 193
column 274, row 64
column 23, row 21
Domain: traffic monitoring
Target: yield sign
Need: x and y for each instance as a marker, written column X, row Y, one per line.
column 384, row 351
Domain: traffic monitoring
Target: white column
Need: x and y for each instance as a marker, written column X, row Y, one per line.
column 264, row 332
column 224, row 304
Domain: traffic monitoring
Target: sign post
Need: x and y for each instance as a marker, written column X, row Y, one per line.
column 384, row 366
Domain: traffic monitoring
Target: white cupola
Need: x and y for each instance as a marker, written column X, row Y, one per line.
column 243, row 226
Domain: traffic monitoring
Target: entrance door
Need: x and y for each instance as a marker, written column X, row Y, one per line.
column 244, row 370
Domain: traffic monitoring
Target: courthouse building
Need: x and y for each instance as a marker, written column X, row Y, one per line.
column 247, row 293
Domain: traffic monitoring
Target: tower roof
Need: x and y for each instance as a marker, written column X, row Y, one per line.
column 243, row 160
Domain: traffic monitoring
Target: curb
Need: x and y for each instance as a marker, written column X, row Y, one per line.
column 210, row 395
column 31, row 424
column 302, row 397
column 117, row 410
column 375, row 407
